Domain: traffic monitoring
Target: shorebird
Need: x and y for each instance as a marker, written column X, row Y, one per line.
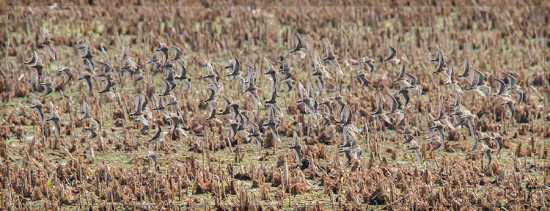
column 498, row 138
column 510, row 105
column 89, row 58
column 327, row 104
column 178, row 54
column 440, row 130
column 271, row 72
column 67, row 72
column 212, row 117
column 236, row 128
column 439, row 59
column 235, row 67
column 416, row 149
column 56, row 120
column 284, row 69
column 160, row 106
column 151, row 156
column 155, row 61
column 85, row 111
column 483, row 136
column 157, row 138
column 170, row 76
column 48, row 42
column 107, row 88
column 183, row 76
column 362, row 78
column 468, row 119
column 380, row 110
column 436, row 144
column 273, row 76
column 513, row 87
column 437, row 51
column 273, row 99
column 89, row 85
column 175, row 128
column 401, row 81
column 211, row 96
column 164, row 49
column 133, row 68
column 93, row 128
column 297, row 148
column 254, row 132
column 320, row 82
column 308, row 102
column 346, row 117
column 502, row 91
column 289, row 85
column 318, row 67
column 251, row 81
column 365, row 61
column 349, row 142
column 125, row 56
column 173, row 103
column 392, row 56
column 106, row 69
column 272, row 124
column 139, row 105
column 461, row 111
column 40, row 110
column 450, row 81
column 504, row 94
column 485, row 150
column 167, row 88
column 466, row 69
column 331, row 58
column 299, row 46
column 141, row 113
column 227, row 109
column 407, row 87
column 144, row 121
column 35, row 62
column 339, row 102
column 478, row 82
column 352, row 153
column 48, row 87
column 414, row 87
column 442, row 118
column 396, row 110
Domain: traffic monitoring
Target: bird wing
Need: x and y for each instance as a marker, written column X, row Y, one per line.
column 392, row 54
column 401, row 72
column 466, row 68
column 412, row 78
column 501, row 87
column 178, row 53
column 511, row 79
column 157, row 135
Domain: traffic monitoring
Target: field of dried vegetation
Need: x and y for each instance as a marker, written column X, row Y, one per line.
column 313, row 105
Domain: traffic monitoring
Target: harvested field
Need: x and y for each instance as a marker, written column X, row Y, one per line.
column 312, row 105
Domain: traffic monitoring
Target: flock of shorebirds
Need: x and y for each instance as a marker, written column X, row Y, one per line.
column 319, row 109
